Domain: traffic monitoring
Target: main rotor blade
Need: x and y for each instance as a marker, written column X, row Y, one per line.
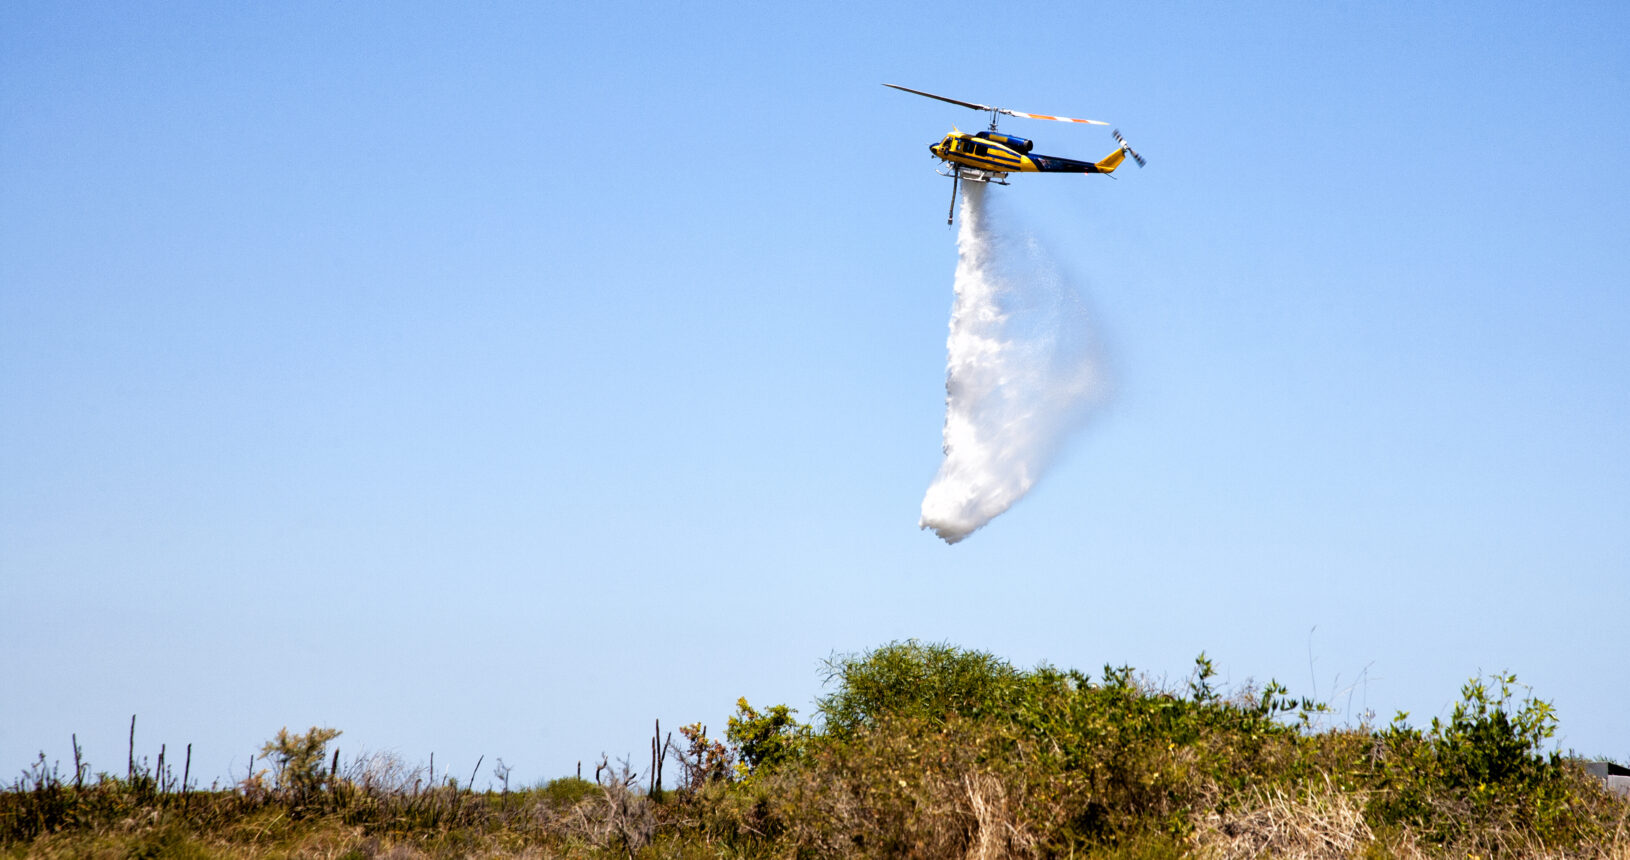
column 955, row 101
column 1043, row 116
column 997, row 109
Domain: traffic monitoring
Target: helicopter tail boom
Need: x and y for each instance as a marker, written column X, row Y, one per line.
column 1053, row 164
column 1107, row 164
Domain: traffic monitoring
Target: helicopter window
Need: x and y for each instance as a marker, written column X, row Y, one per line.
column 981, row 149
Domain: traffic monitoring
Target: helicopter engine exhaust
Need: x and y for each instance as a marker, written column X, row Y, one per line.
column 1023, row 373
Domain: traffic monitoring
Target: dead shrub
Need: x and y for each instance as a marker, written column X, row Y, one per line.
column 1320, row 822
column 996, row 833
column 618, row 818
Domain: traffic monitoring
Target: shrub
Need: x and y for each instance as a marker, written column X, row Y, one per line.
column 1482, row 773
column 913, row 680
column 931, row 738
column 616, row 817
column 567, row 791
column 702, row 760
column 765, row 740
column 298, row 761
column 1493, row 742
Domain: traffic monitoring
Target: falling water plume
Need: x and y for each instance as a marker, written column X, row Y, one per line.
column 1022, row 374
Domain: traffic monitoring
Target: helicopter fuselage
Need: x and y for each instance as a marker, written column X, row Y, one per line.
column 989, row 156
column 1001, row 154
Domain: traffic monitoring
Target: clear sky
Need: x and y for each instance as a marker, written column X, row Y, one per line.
column 493, row 379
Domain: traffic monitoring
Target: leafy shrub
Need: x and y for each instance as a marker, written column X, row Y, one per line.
column 914, row 680
column 1494, row 742
column 298, row 761
column 926, row 750
column 1482, row 773
column 765, row 740
column 567, row 791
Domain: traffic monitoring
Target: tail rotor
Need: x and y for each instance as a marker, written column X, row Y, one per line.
column 1128, row 148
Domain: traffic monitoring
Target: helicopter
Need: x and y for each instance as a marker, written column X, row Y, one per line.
column 989, row 156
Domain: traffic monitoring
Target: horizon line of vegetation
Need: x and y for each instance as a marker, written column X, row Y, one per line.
column 920, row 745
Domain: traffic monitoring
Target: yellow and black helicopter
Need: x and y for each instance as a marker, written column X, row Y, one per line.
column 989, row 156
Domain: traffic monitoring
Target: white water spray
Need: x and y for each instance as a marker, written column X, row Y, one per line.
column 1023, row 373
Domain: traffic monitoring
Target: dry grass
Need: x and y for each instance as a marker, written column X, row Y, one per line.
column 995, row 835
column 1319, row 823
column 1322, row 822
column 618, row 819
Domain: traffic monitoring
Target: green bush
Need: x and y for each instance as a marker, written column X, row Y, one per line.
column 913, row 680
column 765, row 740
column 1483, row 771
column 567, row 791
column 1495, row 742
column 919, row 739
column 931, row 750
column 298, row 761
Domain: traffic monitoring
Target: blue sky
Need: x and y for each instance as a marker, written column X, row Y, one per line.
column 494, row 379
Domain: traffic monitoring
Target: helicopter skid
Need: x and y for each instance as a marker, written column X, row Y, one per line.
column 974, row 174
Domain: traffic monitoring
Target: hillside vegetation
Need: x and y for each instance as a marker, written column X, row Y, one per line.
column 916, row 750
